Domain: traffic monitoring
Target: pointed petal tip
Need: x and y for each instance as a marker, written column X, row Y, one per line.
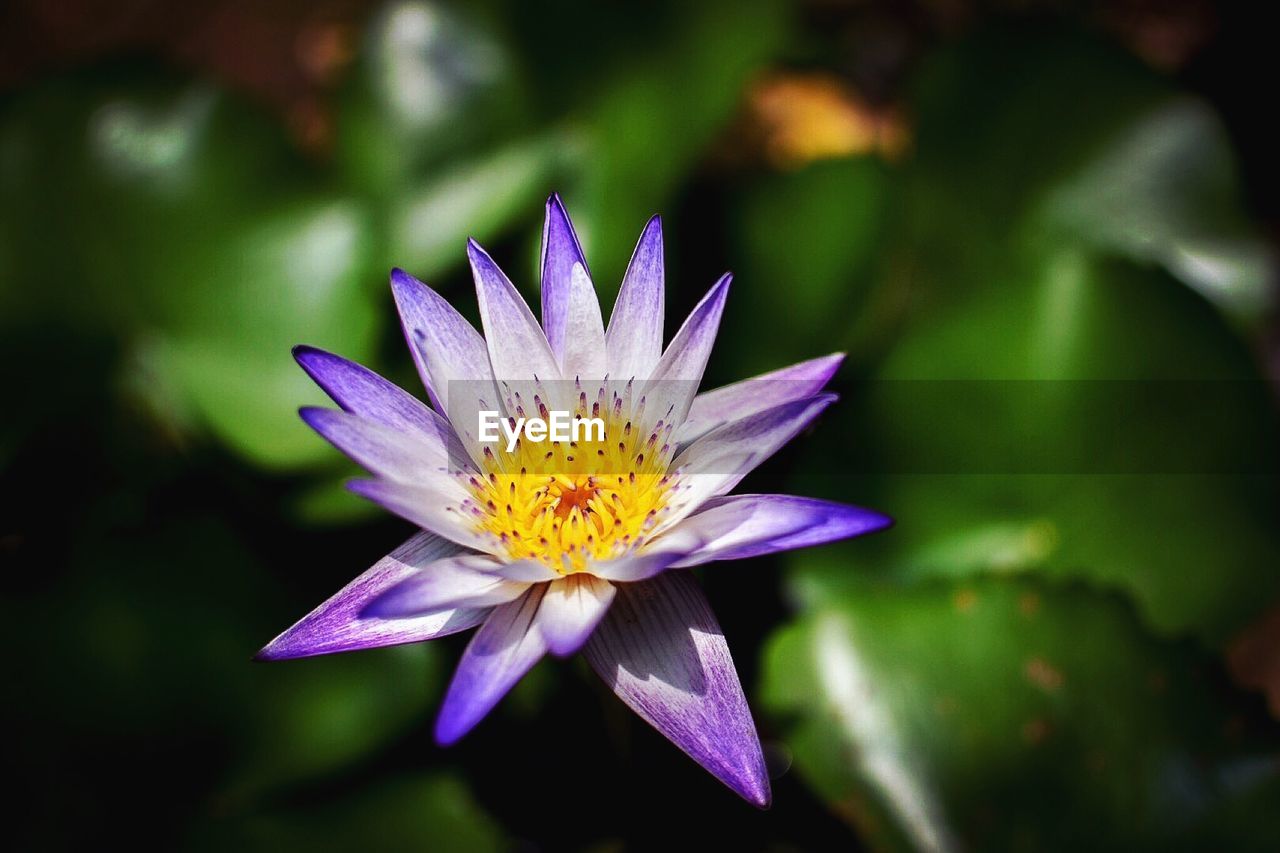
column 314, row 416
column 752, row 784
column 829, row 364
column 858, row 521
column 480, row 258
column 453, row 723
column 404, row 286
column 446, row 732
column 277, row 650
column 760, row 796
column 880, row 522
column 714, row 299
column 719, row 291
column 749, row 782
column 406, row 283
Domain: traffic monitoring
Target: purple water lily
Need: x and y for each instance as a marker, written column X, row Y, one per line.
column 572, row 546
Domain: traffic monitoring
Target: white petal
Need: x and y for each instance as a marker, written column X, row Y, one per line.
column 571, row 609
column 517, row 347
column 584, row 347
column 430, row 509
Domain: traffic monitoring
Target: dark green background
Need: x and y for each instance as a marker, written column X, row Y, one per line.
column 1058, row 304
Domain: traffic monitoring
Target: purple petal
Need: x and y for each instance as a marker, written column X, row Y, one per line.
column 467, row 580
column 662, row 651
column 501, row 652
column 517, row 347
column 741, row 399
column 359, row 390
column 430, row 509
column 675, row 379
column 571, row 610
column 445, row 346
column 715, row 463
column 408, row 457
column 740, row 526
column 337, row 626
column 634, row 339
column 560, row 251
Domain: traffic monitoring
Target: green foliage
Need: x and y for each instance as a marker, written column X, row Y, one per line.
column 417, row 812
column 429, row 85
column 1165, row 191
column 135, row 626
column 922, row 714
column 1040, row 377
column 809, row 241
column 1054, row 401
column 429, row 221
column 208, row 261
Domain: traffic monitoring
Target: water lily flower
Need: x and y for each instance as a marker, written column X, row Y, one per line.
column 560, row 548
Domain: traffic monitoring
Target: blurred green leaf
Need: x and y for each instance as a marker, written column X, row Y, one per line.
column 312, row 717
column 107, row 175
column 296, row 274
column 920, row 715
column 806, row 242
column 1041, row 379
column 430, row 83
column 1023, row 130
column 1165, row 191
column 168, row 216
column 430, row 222
column 156, row 638
column 412, row 812
column 1138, row 453
column 1005, row 114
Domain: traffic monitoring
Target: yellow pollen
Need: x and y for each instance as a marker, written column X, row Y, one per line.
column 567, row 504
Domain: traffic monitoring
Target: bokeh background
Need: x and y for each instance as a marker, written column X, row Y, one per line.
column 1044, row 231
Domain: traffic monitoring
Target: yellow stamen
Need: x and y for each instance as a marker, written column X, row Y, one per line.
column 567, row 504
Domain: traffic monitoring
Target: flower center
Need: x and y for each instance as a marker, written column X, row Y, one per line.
column 575, row 495
column 567, row 504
